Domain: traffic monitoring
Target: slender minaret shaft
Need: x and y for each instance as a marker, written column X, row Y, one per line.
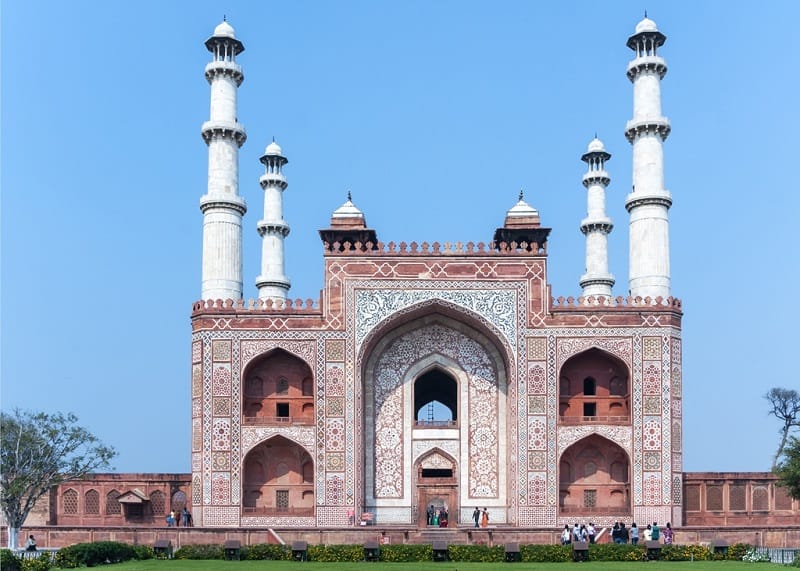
column 597, row 281
column 222, row 206
column 273, row 229
column 648, row 203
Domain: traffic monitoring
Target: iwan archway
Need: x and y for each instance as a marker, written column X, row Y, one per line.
column 594, row 479
column 435, row 421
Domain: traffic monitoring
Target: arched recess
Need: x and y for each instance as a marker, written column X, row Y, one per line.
column 278, row 390
column 435, row 398
column 436, row 485
column 278, row 479
column 451, row 346
column 594, row 386
column 594, row 478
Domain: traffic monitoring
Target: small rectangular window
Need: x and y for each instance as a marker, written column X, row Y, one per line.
column 282, row 409
column 589, row 409
column 589, row 498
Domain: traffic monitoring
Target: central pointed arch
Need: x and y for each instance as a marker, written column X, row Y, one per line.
column 448, row 355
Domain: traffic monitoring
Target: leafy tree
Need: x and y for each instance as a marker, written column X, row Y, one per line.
column 39, row 451
column 785, row 405
column 788, row 470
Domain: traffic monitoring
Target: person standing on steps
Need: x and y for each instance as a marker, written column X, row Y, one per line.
column 476, row 515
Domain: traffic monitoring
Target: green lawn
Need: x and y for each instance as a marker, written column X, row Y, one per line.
column 216, row 565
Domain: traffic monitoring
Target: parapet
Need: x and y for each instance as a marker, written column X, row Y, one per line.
column 286, row 307
column 605, row 302
column 435, row 248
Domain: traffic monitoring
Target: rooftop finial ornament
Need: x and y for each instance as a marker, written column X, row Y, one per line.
column 224, row 18
column 349, row 196
column 520, row 194
column 645, row 12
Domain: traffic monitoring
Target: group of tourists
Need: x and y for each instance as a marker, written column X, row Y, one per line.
column 578, row 533
column 176, row 520
column 619, row 533
column 481, row 518
column 437, row 517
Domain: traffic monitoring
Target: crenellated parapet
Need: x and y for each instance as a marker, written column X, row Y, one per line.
column 580, row 303
column 434, row 248
column 286, row 306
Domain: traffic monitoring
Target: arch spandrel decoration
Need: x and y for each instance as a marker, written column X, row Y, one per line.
column 620, row 435
column 252, row 349
column 496, row 308
column 437, row 459
column 304, row 436
column 448, row 447
column 620, row 348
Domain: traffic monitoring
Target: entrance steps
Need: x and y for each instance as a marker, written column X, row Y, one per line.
column 451, row 536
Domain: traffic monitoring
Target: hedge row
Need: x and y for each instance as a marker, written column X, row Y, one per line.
column 472, row 553
column 103, row 552
column 99, row 553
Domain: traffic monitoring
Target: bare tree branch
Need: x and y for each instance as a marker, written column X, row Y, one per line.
column 785, row 406
column 39, row 451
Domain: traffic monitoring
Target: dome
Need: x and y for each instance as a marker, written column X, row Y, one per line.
column 522, row 208
column 646, row 25
column 224, row 30
column 596, row 146
column 273, row 149
column 348, row 210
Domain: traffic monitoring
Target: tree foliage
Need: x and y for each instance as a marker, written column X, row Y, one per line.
column 39, row 451
column 788, row 469
column 785, row 406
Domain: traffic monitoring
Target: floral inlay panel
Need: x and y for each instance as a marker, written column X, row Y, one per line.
column 496, row 306
column 390, row 374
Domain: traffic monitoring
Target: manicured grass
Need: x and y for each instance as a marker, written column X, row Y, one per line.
column 195, row 565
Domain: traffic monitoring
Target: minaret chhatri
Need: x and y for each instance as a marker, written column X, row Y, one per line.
column 222, row 206
column 648, row 203
column 597, row 281
column 273, row 283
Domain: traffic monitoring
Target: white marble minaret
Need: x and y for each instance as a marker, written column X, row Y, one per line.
column 273, row 229
column 222, row 206
column 597, row 280
column 648, row 203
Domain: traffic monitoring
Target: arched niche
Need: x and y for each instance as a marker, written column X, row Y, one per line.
column 594, row 386
column 278, row 389
column 432, row 348
column 594, row 478
column 278, row 477
column 435, row 398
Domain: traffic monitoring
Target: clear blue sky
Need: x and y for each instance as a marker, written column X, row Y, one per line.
column 434, row 114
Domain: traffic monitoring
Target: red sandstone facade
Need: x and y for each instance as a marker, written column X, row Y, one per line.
column 760, row 514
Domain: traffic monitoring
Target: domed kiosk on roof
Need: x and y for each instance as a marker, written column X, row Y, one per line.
column 224, row 30
column 273, row 149
column 596, row 146
column 348, row 210
column 646, row 25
